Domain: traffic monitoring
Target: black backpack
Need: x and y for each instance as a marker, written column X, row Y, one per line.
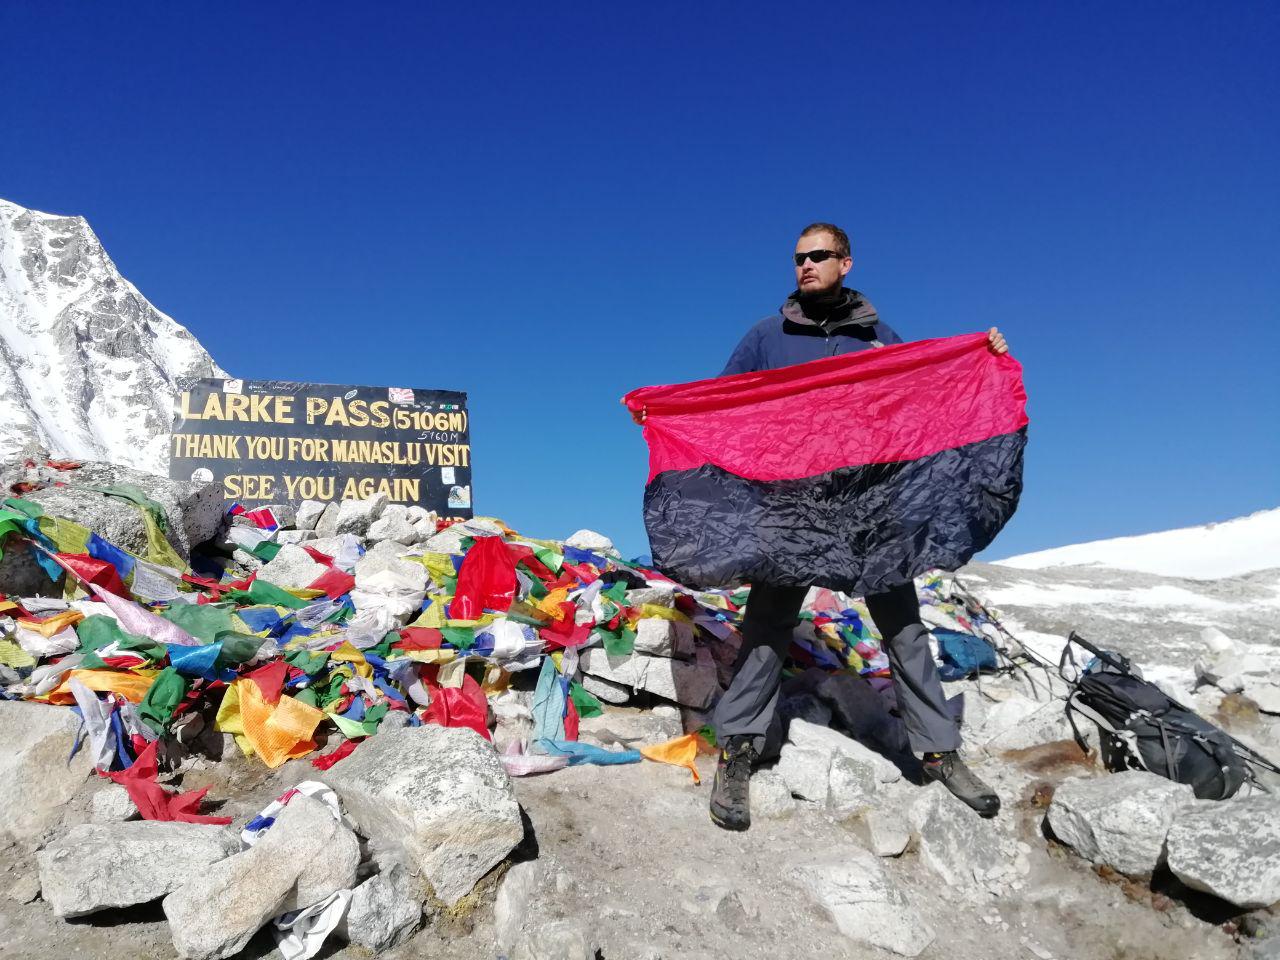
column 1144, row 728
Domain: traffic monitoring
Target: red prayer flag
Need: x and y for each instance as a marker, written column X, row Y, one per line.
column 333, row 582
column 270, row 679
column 463, row 706
column 570, row 719
column 153, row 801
column 317, row 556
column 89, row 569
column 486, row 581
column 329, row 759
column 419, row 638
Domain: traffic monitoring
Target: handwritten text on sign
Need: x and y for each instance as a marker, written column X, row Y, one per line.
column 274, row 442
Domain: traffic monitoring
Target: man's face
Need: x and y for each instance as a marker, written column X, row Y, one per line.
column 813, row 278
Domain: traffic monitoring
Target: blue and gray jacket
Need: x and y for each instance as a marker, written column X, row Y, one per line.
column 790, row 336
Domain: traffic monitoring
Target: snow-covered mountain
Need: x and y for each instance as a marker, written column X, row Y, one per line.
column 1148, row 597
column 87, row 365
column 1208, row 552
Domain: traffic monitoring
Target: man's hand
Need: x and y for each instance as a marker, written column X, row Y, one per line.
column 637, row 415
column 996, row 341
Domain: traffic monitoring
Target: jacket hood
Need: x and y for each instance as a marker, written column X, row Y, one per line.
column 849, row 308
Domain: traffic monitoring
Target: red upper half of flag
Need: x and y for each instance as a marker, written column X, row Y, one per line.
column 895, row 403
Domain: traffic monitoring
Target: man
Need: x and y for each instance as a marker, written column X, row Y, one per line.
column 823, row 318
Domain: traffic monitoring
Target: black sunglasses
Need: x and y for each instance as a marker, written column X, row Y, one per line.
column 817, row 256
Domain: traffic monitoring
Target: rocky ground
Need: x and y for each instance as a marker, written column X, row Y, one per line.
column 421, row 844
column 623, row 862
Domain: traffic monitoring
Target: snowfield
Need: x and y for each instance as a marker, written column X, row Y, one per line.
column 1207, row 552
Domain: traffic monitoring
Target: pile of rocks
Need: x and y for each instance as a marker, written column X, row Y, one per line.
column 1137, row 823
column 429, row 811
column 1233, row 670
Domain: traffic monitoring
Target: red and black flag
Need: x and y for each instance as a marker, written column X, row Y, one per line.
column 856, row 472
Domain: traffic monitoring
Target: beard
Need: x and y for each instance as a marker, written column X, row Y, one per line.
column 817, row 294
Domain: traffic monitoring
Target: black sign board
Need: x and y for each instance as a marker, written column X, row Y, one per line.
column 270, row 441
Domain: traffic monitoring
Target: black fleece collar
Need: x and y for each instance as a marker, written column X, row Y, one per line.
column 849, row 308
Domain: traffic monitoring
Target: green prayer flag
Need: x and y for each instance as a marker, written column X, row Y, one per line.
column 306, row 661
column 236, row 648
column 162, row 698
column 330, row 689
column 551, row 559
column 266, row 551
column 98, row 631
column 28, row 508
column 617, row 593
column 383, row 648
column 202, row 620
column 10, row 522
column 351, row 729
column 584, row 702
column 262, row 592
column 464, row 638
column 341, row 615
column 308, row 696
column 138, row 497
column 620, row 642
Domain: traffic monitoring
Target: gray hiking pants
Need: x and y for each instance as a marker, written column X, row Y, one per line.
column 749, row 705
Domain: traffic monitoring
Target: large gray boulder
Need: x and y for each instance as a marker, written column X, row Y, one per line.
column 770, row 797
column 308, row 515
column 195, row 510
column 294, row 537
column 104, row 865
column 805, row 771
column 834, row 743
column 864, row 903
column 439, row 793
column 606, row 690
column 658, row 637
column 1230, row 849
column 852, row 786
column 970, row 854
column 112, row 804
column 884, row 831
column 307, row 855
column 692, row 684
column 394, row 528
column 327, row 522
column 385, row 911
column 511, row 907
column 1119, row 820
column 630, row 730
column 356, row 516
column 1046, row 725
column 292, row 568
column 659, row 595
column 36, row 780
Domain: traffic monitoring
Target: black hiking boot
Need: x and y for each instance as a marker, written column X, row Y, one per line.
column 731, row 793
column 950, row 770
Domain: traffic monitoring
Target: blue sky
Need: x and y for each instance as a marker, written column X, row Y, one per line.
column 547, row 205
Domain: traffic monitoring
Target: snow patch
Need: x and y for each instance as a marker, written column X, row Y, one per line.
column 1209, row 552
